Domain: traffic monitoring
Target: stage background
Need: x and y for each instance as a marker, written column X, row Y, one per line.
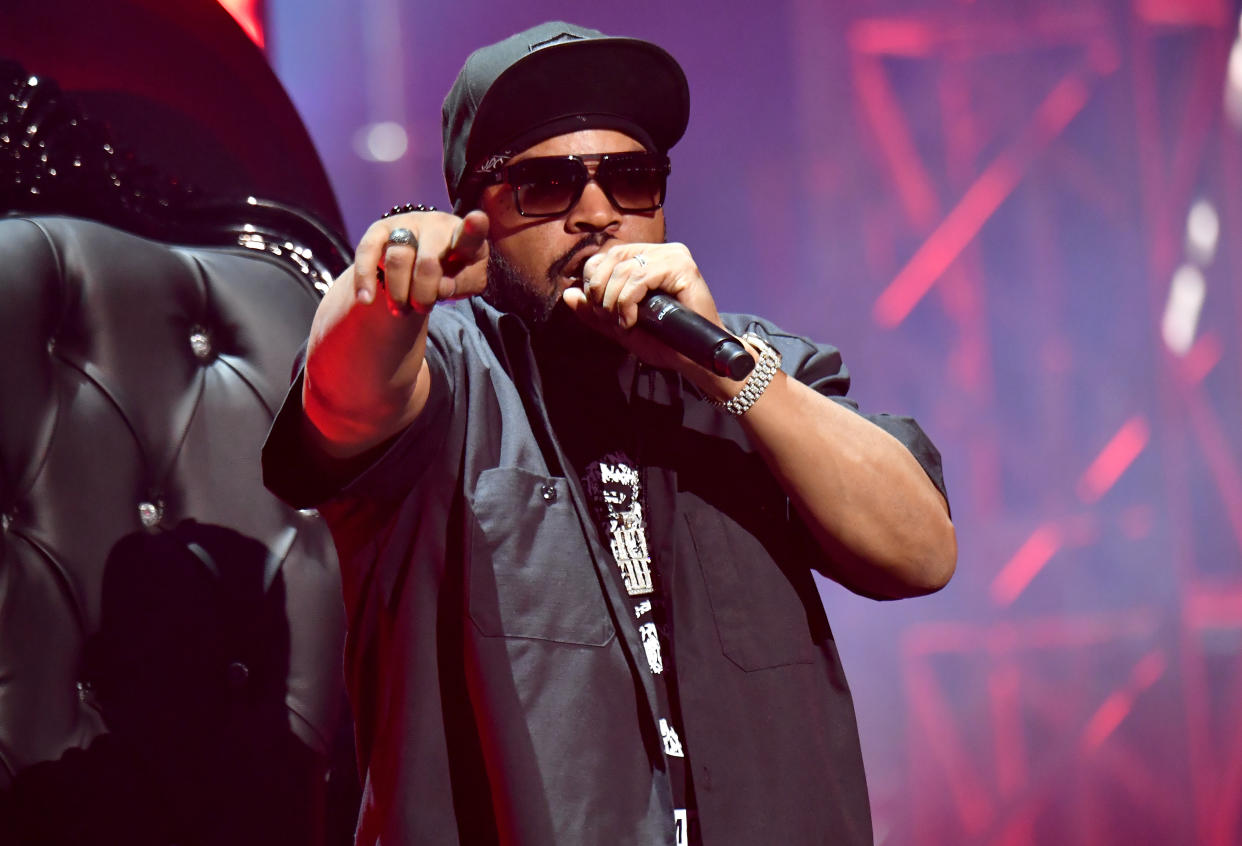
column 1020, row 223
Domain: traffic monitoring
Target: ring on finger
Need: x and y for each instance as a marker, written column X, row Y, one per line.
column 642, row 260
column 402, row 237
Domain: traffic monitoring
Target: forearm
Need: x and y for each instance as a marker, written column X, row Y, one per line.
column 864, row 496
column 366, row 376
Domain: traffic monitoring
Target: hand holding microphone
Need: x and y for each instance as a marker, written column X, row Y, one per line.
column 640, row 284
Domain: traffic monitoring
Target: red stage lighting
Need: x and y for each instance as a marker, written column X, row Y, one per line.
column 249, row 15
column 1114, row 459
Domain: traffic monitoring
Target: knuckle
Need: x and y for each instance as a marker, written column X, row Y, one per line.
column 376, row 234
column 398, row 256
column 426, row 265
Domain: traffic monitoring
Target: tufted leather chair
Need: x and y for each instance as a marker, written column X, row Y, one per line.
column 170, row 633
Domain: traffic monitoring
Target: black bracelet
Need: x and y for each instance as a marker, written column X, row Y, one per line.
column 407, row 208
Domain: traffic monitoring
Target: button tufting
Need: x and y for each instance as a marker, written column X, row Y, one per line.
column 51, row 346
column 6, row 520
column 84, row 690
column 548, row 492
column 308, row 512
column 200, row 342
column 150, row 513
column 238, row 674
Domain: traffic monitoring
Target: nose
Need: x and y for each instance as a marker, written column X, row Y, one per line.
column 593, row 212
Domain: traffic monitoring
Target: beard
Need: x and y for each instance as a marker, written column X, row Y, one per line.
column 509, row 289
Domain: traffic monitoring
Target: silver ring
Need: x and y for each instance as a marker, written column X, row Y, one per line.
column 402, row 237
column 642, row 260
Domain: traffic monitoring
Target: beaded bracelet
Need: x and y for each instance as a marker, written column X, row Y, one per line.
column 407, row 208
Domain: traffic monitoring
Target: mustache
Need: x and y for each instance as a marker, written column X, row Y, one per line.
column 595, row 239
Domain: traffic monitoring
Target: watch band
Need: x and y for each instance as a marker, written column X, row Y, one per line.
column 757, row 382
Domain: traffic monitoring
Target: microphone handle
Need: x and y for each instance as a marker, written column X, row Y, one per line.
column 694, row 336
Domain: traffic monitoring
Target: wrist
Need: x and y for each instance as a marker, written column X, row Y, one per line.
column 737, row 399
column 716, row 389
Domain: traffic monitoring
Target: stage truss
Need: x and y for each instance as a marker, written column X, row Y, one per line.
column 1022, row 214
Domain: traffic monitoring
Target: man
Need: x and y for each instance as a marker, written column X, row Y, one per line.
column 580, row 591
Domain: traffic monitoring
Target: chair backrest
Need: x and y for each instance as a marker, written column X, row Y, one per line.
column 170, row 633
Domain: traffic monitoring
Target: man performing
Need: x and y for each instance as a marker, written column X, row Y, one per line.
column 578, row 564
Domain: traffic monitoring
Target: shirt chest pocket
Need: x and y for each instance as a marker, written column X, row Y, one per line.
column 530, row 573
column 760, row 617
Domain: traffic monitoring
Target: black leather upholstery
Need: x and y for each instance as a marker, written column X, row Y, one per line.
column 170, row 633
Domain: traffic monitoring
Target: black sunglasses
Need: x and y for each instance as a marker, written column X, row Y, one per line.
column 551, row 185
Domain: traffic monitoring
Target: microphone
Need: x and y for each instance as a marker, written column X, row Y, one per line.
column 694, row 336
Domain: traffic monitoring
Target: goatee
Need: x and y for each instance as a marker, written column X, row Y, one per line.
column 508, row 289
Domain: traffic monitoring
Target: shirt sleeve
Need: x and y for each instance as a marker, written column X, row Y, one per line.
column 301, row 474
column 821, row 367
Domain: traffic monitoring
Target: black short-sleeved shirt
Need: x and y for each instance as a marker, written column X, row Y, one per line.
column 495, row 684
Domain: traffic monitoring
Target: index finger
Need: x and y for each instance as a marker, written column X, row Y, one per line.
column 466, row 245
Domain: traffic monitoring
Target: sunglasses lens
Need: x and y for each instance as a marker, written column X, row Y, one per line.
column 547, row 186
column 635, row 187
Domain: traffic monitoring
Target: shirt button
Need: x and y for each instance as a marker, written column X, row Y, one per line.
column 238, row 673
column 548, row 492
